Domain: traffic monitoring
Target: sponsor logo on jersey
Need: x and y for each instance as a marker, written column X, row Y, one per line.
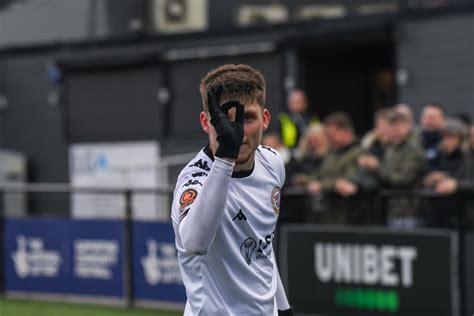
column 262, row 245
column 199, row 174
column 192, row 182
column 247, row 248
column 249, row 245
column 201, row 164
column 240, row 216
column 276, row 196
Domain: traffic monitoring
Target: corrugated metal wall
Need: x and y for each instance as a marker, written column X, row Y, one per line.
column 438, row 54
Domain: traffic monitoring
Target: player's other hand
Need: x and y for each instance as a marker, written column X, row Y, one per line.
column 229, row 133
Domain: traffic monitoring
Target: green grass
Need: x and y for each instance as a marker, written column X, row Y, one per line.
column 34, row 308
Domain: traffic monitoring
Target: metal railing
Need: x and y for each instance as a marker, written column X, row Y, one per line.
column 300, row 206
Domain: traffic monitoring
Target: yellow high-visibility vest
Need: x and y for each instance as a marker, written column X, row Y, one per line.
column 289, row 130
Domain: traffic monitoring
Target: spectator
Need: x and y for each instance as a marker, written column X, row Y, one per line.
column 337, row 169
column 273, row 140
column 312, row 148
column 406, row 110
column 294, row 123
column 451, row 154
column 431, row 123
column 463, row 180
column 451, row 162
column 400, row 167
column 375, row 140
column 374, row 144
column 471, row 139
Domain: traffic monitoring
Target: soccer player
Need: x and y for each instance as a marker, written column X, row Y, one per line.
column 226, row 203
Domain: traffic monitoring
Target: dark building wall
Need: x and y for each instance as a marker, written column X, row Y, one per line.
column 30, row 124
column 438, row 55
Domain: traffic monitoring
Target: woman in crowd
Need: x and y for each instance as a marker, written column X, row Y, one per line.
column 311, row 150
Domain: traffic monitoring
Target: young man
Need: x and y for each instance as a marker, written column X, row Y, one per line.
column 226, row 203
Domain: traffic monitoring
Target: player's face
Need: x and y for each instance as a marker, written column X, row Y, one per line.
column 256, row 121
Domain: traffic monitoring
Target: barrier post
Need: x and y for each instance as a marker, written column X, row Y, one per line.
column 128, row 249
column 2, row 243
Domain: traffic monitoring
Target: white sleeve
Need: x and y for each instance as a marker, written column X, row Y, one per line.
column 200, row 222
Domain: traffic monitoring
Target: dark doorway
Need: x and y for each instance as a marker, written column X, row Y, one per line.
column 354, row 77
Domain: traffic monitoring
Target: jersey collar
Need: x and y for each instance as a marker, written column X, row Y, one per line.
column 235, row 174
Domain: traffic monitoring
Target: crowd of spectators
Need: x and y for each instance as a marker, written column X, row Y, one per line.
column 418, row 173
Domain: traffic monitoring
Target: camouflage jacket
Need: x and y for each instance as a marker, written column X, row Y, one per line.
column 402, row 165
column 337, row 164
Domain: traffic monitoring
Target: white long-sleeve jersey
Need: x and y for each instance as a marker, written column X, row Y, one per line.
column 234, row 272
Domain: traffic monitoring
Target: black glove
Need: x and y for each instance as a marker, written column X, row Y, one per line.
column 286, row 312
column 229, row 133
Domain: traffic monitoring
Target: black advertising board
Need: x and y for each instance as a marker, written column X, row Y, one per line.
column 469, row 272
column 341, row 270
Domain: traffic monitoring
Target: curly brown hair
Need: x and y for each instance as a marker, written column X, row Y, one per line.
column 240, row 82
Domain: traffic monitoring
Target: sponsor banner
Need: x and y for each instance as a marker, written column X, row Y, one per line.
column 155, row 263
column 369, row 271
column 63, row 256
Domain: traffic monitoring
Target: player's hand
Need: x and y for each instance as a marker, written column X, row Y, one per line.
column 229, row 133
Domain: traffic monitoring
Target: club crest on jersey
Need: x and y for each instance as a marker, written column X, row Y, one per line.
column 276, row 197
column 187, row 198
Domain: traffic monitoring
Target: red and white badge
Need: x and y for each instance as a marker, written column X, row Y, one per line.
column 276, row 196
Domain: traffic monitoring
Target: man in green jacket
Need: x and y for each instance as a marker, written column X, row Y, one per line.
column 335, row 178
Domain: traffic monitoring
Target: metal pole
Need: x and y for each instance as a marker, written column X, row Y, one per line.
column 2, row 244
column 128, row 248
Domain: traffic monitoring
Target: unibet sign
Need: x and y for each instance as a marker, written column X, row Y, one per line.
column 364, row 264
column 339, row 270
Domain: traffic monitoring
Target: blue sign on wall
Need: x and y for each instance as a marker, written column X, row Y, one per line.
column 63, row 256
column 156, row 270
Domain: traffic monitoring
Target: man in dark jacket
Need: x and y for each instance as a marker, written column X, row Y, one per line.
column 431, row 123
column 399, row 168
